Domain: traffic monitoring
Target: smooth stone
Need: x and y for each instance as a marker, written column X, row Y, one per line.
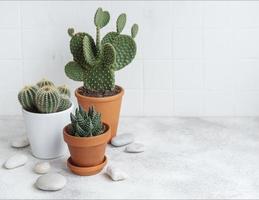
column 42, row 167
column 135, row 148
column 20, row 142
column 51, row 182
column 116, row 174
column 122, row 139
column 16, row 160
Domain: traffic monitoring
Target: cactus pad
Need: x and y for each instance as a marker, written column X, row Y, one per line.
column 101, row 18
column 76, row 47
column 70, row 32
column 74, row 71
column 100, row 78
column 121, row 22
column 134, row 30
column 89, row 50
column 124, row 46
column 108, row 55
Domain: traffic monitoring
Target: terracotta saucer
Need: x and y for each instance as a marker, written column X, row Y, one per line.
column 86, row 171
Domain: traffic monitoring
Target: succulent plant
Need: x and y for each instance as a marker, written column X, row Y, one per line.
column 44, row 82
column 95, row 63
column 64, row 90
column 64, row 102
column 86, row 123
column 44, row 97
column 26, row 97
column 47, row 99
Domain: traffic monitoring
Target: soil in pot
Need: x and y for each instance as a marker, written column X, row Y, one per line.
column 108, row 104
column 87, row 153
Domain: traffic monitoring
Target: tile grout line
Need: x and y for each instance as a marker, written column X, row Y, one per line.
column 21, row 35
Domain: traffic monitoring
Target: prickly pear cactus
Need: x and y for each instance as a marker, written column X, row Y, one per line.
column 95, row 62
column 47, row 99
column 63, row 89
column 44, row 82
column 26, row 97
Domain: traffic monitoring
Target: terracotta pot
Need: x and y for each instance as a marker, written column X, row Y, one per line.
column 109, row 107
column 87, row 153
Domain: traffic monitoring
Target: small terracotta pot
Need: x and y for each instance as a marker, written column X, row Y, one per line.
column 87, row 153
column 109, row 107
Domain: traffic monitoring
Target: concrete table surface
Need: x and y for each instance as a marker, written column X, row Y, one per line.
column 184, row 158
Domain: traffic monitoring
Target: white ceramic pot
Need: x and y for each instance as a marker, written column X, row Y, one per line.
column 45, row 134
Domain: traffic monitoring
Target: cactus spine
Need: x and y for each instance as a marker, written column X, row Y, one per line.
column 95, row 62
column 26, row 97
column 47, row 99
column 44, row 82
column 64, row 102
column 64, row 90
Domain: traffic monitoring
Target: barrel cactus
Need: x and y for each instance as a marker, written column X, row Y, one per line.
column 64, row 102
column 47, row 99
column 63, row 89
column 26, row 97
column 95, row 62
column 44, row 82
column 44, row 97
column 86, row 123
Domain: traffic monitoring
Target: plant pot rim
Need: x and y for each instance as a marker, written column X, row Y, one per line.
column 86, row 171
column 48, row 114
column 87, row 141
column 101, row 99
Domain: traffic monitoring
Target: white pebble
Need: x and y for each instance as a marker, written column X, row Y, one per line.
column 42, row 167
column 16, row 160
column 135, row 148
column 116, row 174
column 51, row 182
column 19, row 142
column 122, row 139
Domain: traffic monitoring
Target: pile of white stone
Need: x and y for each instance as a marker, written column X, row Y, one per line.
column 50, row 181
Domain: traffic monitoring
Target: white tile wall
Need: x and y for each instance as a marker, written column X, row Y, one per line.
column 195, row 58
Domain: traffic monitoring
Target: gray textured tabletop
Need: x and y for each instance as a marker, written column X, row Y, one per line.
column 184, row 158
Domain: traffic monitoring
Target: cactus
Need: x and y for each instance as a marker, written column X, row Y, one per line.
column 95, row 62
column 44, row 82
column 86, row 124
column 26, row 97
column 64, row 102
column 64, row 90
column 47, row 99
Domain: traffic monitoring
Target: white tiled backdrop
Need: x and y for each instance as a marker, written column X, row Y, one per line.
column 194, row 58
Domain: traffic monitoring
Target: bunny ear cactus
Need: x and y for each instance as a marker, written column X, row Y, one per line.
column 95, row 62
